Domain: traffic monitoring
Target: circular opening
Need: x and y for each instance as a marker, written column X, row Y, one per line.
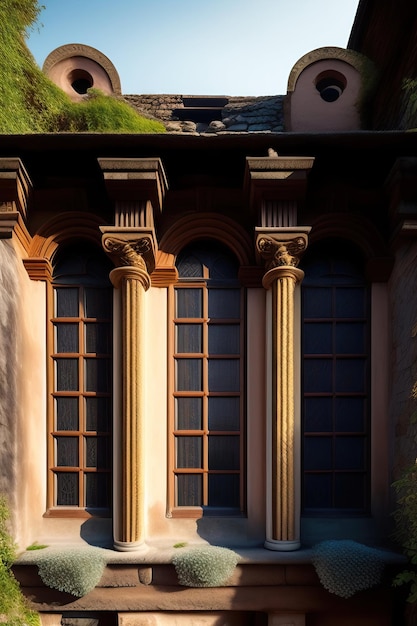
column 330, row 85
column 80, row 81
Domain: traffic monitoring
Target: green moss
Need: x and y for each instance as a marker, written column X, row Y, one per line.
column 36, row 546
column 31, row 103
column 13, row 607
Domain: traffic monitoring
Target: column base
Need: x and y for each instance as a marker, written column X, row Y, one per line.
column 282, row 546
column 129, row 546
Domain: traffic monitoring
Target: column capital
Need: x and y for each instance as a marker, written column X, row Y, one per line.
column 281, row 246
column 132, row 247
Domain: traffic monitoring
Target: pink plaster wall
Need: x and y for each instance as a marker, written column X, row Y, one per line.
column 309, row 112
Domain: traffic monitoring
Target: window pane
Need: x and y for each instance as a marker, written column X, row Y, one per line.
column 66, row 411
column 98, row 413
column 67, row 489
column 224, row 339
column 350, row 302
column 318, row 415
column 66, row 451
column 349, row 453
column 97, row 490
column 189, row 338
column 317, row 302
column 318, row 375
column 189, row 303
column 98, row 303
column 350, row 491
column 223, row 413
column 189, row 490
column 97, row 453
column 66, row 374
column 189, row 374
column 318, row 338
column 189, row 267
column 318, row 491
column 350, row 338
column 66, row 338
column 224, row 303
column 189, row 452
column 318, row 453
column 188, row 413
column 350, row 414
column 224, row 374
column 97, row 338
column 97, row 375
column 66, row 302
column 224, row 453
column 350, row 375
column 223, row 490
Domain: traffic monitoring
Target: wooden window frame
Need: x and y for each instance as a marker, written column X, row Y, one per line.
column 173, row 510
column 82, row 509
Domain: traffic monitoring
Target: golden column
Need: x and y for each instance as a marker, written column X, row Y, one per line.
column 280, row 252
column 137, row 187
column 276, row 188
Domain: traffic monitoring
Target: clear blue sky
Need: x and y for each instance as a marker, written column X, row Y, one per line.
column 196, row 47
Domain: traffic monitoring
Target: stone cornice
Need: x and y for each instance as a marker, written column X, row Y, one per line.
column 15, row 192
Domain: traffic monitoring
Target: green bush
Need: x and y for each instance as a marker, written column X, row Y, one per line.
column 208, row 566
column 406, row 527
column 76, row 571
column 31, row 103
column 13, row 607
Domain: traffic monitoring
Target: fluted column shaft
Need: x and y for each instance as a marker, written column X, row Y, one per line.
column 129, row 515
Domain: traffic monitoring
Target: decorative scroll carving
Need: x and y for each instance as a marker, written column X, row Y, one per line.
column 129, row 252
column 278, row 253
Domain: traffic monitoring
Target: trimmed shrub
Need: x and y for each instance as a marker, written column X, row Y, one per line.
column 75, row 571
column 208, row 566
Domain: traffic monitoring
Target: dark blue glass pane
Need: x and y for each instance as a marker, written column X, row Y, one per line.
column 189, row 374
column 318, row 338
column 317, row 302
column 98, row 338
column 97, row 452
column 189, row 452
column 98, row 414
column 224, row 453
column 66, row 338
column 66, row 302
column 224, row 339
column 350, row 338
column 188, row 413
column 98, row 377
column 189, row 490
column 224, row 303
column 350, row 491
column 318, row 375
column 189, row 303
column 98, row 303
column 224, row 490
column 223, row 413
column 224, row 375
column 318, row 453
column 189, row 338
column 66, row 374
column 317, row 491
column 66, row 451
column 350, row 414
column 66, row 411
column 318, row 415
column 350, row 302
column 189, row 267
column 67, row 489
column 349, row 453
column 350, row 375
column 97, row 490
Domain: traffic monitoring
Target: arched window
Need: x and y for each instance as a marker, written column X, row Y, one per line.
column 206, row 469
column 335, row 379
column 80, row 408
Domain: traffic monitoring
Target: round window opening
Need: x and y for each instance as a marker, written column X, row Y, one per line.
column 330, row 85
column 81, row 81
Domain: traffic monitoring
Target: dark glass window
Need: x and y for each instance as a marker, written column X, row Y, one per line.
column 208, row 370
column 335, row 304
column 81, row 393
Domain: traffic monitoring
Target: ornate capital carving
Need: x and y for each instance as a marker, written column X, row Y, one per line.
column 130, row 247
column 277, row 251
